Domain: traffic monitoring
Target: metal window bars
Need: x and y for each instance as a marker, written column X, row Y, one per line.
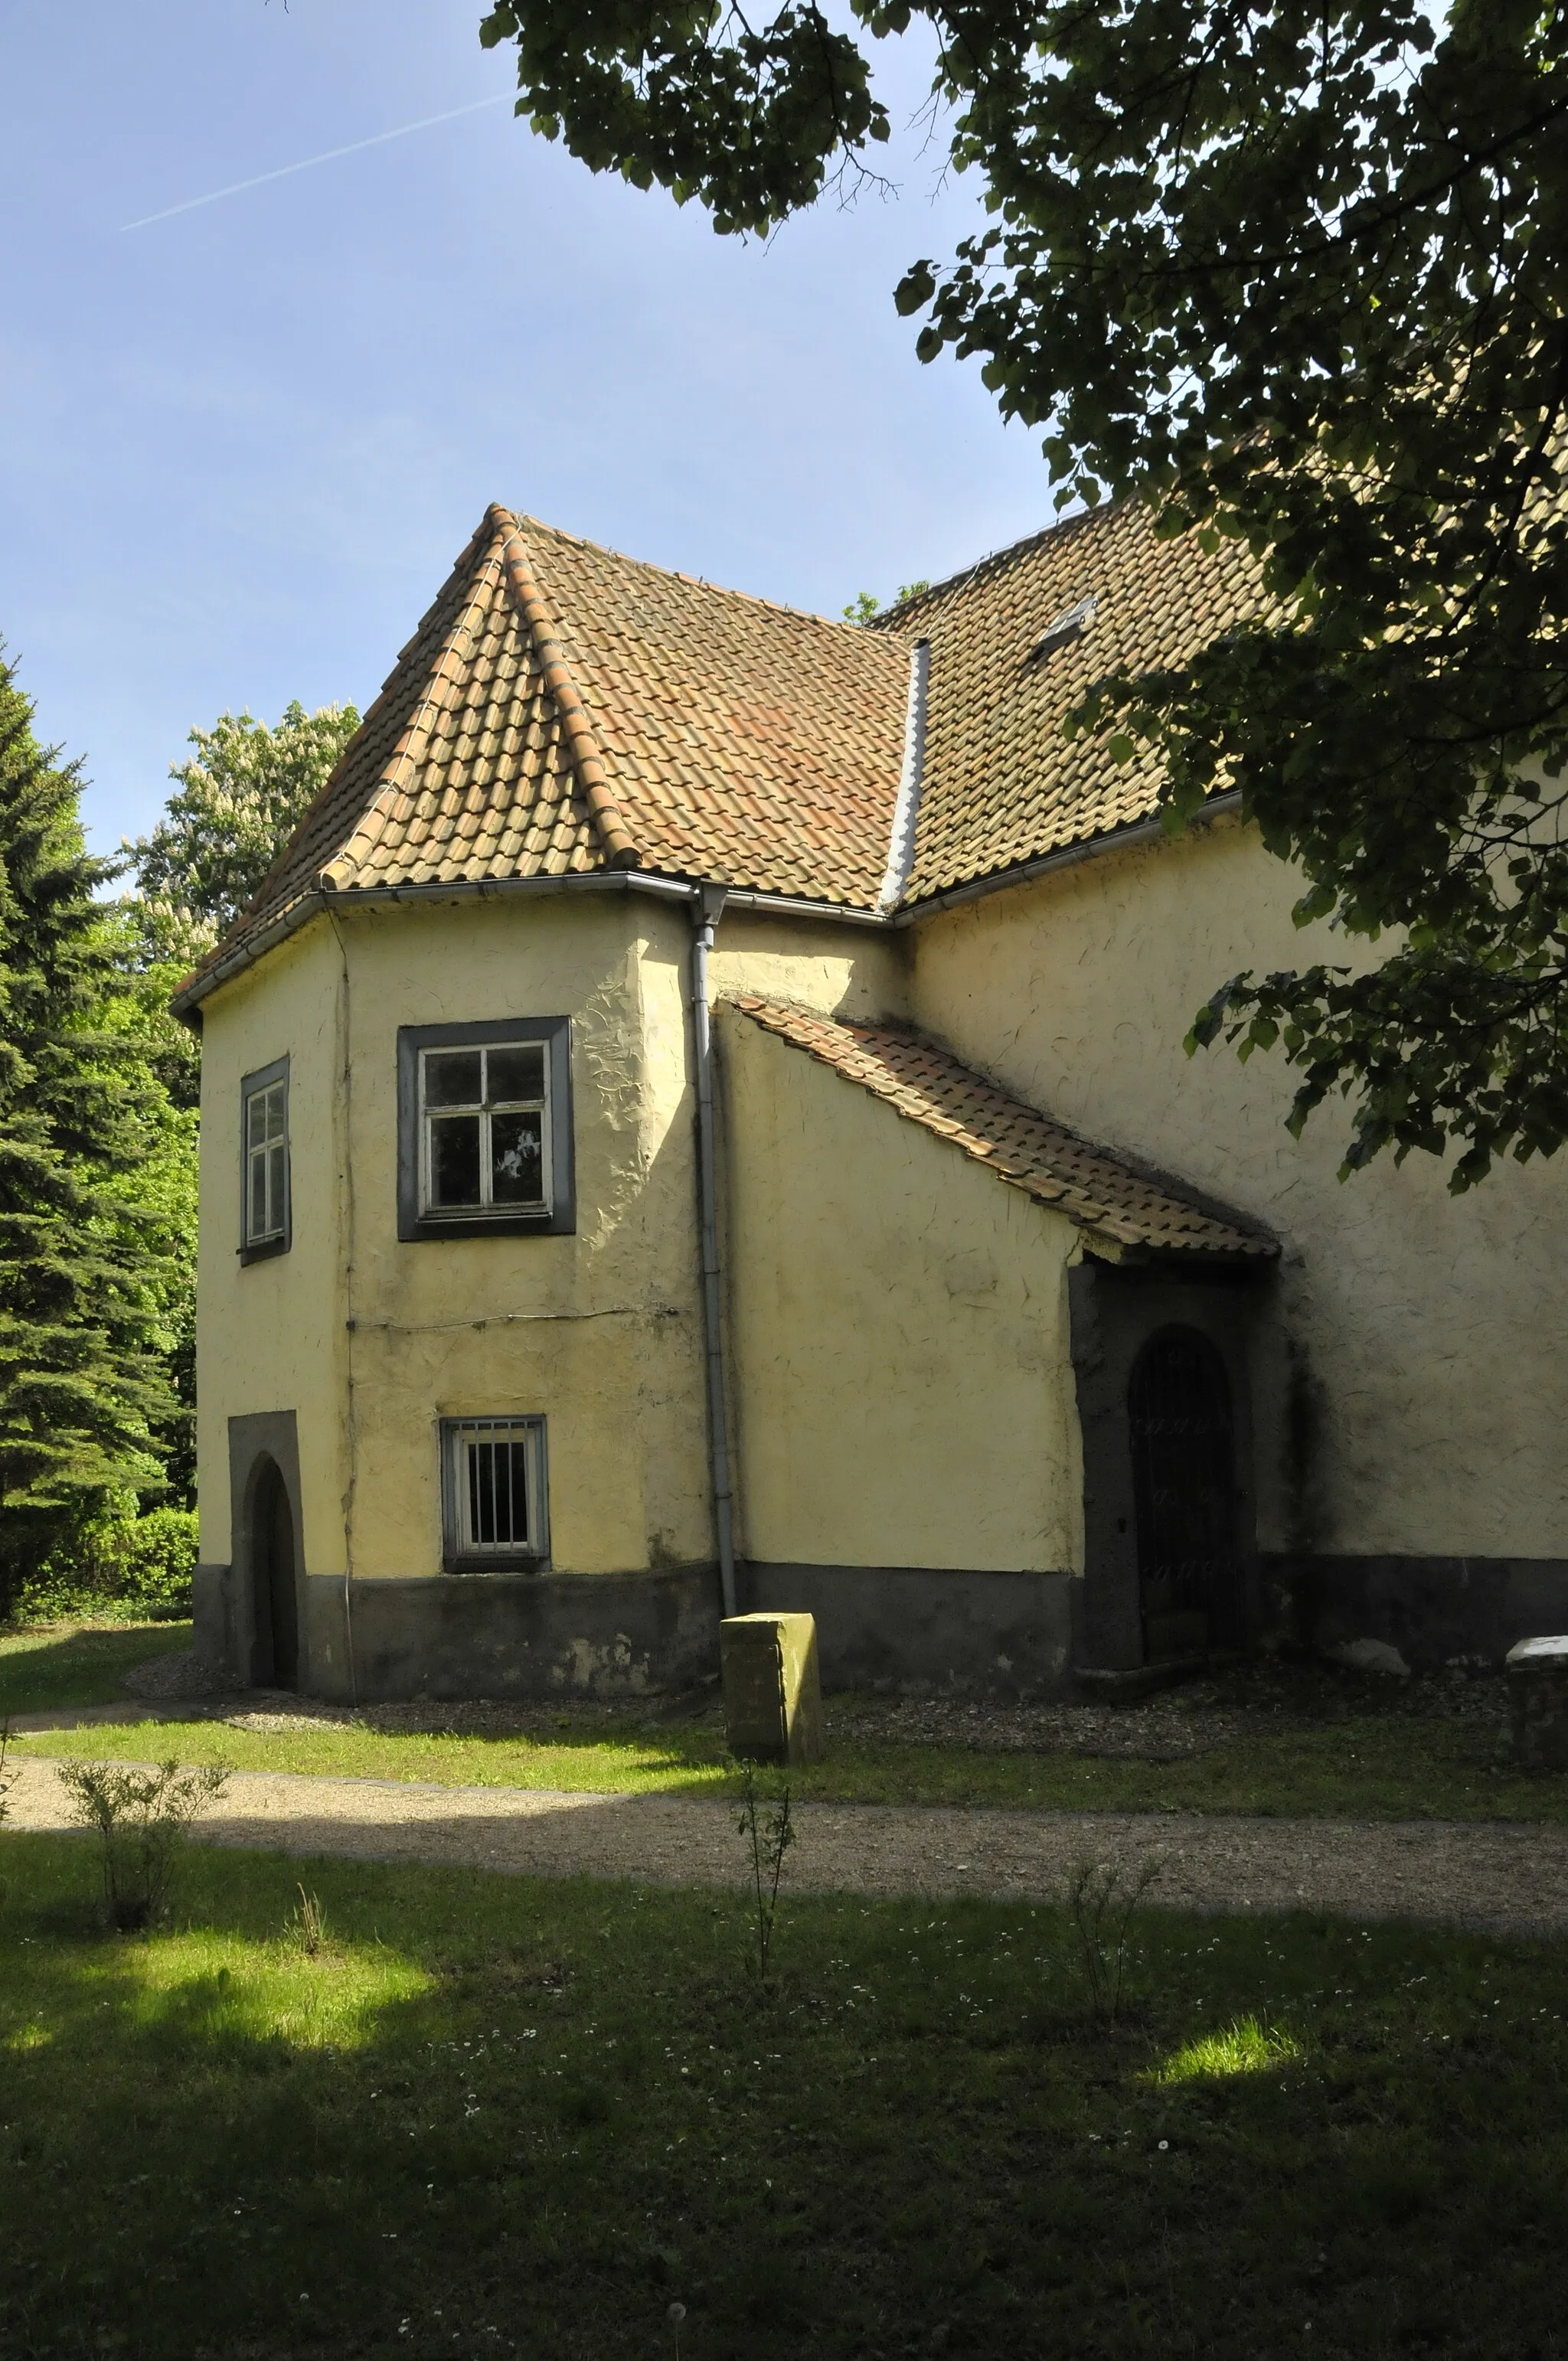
column 494, row 1485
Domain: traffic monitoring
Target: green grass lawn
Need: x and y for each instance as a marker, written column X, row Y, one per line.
column 78, row 1663
column 1380, row 1766
column 498, row 2116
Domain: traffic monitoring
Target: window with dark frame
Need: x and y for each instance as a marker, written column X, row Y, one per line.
column 484, row 1124
column 485, row 1128
column 265, row 1210
column 494, row 1496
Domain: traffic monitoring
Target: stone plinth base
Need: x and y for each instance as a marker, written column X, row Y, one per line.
column 773, row 1695
column 1538, row 1702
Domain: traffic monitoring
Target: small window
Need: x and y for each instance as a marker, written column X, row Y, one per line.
column 265, row 1209
column 493, row 1504
column 486, row 1117
column 485, row 1128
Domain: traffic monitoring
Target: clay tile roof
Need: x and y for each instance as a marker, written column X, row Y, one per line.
column 1118, row 1205
column 563, row 709
column 1000, row 783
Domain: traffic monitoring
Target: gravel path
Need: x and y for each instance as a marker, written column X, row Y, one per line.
column 1500, row 1875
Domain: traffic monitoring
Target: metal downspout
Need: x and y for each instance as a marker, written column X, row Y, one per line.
column 707, row 906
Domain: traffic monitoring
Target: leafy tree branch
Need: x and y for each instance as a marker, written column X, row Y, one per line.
column 1294, row 275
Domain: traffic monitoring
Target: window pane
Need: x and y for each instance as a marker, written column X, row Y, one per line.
column 517, row 1162
column 515, row 1074
column 455, row 1161
column 497, row 1495
column 256, row 1118
column 274, row 1100
column 275, row 1187
column 452, row 1077
column 257, row 1225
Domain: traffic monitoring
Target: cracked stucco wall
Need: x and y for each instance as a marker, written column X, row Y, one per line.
column 603, row 1334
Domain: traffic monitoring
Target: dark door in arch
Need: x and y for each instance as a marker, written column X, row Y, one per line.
column 1184, row 1497
column 277, row 1606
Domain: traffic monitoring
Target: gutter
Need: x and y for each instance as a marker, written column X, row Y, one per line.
column 1138, row 831
column 326, row 899
column 311, row 904
column 707, row 904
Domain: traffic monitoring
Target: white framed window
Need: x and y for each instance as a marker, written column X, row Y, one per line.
column 494, row 1493
column 485, row 1129
column 266, row 1213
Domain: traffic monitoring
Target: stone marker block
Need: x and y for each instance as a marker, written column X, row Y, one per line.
column 773, row 1693
column 1538, row 1703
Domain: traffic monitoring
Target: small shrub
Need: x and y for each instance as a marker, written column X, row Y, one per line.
column 8, row 1781
column 141, row 1817
column 1102, row 1898
column 771, row 1834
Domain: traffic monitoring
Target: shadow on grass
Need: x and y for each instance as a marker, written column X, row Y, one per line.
column 78, row 1664
column 1384, row 1768
column 492, row 2114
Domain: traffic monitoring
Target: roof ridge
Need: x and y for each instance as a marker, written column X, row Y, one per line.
column 280, row 864
column 619, row 844
column 696, row 581
column 903, row 607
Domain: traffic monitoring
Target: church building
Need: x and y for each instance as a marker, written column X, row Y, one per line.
column 697, row 1119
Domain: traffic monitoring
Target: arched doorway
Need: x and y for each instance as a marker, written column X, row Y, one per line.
column 277, row 1658
column 1184, row 1494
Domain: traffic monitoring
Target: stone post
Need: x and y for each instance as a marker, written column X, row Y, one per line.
column 772, row 1694
column 1538, row 1703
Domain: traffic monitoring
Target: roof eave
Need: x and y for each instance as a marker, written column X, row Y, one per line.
column 1065, row 856
column 319, row 900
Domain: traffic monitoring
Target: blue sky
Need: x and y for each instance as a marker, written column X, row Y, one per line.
column 240, row 447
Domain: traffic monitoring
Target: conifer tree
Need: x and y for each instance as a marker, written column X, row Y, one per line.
column 81, row 1111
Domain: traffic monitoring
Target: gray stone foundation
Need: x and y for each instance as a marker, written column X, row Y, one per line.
column 548, row 1635
column 516, row 1635
column 1432, row 1609
column 881, row 1627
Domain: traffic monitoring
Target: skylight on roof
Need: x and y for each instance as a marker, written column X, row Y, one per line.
column 1070, row 626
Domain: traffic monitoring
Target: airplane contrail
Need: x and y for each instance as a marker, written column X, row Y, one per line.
column 305, row 163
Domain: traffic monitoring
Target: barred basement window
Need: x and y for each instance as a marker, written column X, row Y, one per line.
column 265, row 1210
column 494, row 1497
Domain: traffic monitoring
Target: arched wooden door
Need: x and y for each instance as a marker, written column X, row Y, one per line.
column 277, row 1664
column 1184, row 1494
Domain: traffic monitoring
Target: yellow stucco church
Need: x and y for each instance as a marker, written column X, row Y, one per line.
column 696, row 1119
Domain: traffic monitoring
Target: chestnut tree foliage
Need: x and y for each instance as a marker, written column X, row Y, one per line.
column 1295, row 275
column 237, row 800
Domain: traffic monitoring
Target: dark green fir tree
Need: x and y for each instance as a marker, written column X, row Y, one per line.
column 85, row 1244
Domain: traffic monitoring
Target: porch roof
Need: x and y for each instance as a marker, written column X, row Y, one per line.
column 1123, row 1209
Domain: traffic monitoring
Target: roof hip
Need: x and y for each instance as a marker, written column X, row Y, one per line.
column 619, row 844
